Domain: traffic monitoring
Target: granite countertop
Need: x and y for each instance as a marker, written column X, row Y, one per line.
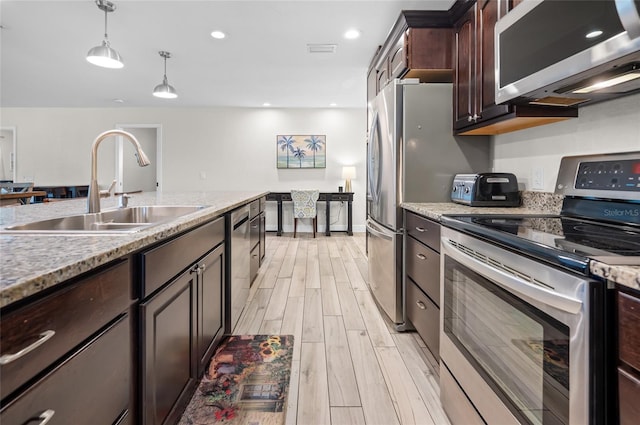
column 627, row 275
column 33, row 262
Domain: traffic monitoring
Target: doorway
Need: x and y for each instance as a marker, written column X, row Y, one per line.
column 8, row 154
column 129, row 176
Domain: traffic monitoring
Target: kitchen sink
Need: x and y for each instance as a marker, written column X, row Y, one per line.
column 121, row 220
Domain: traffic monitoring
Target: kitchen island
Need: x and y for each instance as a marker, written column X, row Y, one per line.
column 147, row 308
column 34, row 262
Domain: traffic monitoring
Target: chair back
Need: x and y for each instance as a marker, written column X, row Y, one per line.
column 304, row 203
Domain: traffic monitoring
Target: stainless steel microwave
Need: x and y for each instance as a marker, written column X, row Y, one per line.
column 566, row 52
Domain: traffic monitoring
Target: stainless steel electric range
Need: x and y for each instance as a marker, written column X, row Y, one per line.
column 526, row 330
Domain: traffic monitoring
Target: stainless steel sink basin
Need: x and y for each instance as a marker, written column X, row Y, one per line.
column 130, row 219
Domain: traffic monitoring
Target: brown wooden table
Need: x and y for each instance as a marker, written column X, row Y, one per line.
column 327, row 198
column 10, row 198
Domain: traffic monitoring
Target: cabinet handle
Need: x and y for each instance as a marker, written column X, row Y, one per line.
column 196, row 269
column 421, row 305
column 421, row 256
column 44, row 336
column 476, row 117
column 420, row 229
column 203, row 268
column 46, row 416
column 469, row 118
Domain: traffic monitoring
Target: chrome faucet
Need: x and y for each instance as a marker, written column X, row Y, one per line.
column 93, row 202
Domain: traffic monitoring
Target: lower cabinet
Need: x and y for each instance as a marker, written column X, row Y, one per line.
column 70, row 349
column 422, row 278
column 90, row 387
column 628, row 303
column 210, row 296
column 182, row 321
column 168, row 337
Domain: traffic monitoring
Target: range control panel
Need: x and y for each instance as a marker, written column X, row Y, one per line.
column 619, row 175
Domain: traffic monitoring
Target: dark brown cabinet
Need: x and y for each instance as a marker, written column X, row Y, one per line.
column 168, row 339
column 422, row 278
column 210, row 296
column 629, row 356
column 182, row 320
column 418, row 46
column 474, row 109
column 50, row 346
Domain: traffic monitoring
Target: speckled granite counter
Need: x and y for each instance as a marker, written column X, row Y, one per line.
column 435, row 210
column 626, row 275
column 533, row 203
column 33, row 262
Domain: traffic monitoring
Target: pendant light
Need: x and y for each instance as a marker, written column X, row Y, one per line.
column 165, row 90
column 103, row 55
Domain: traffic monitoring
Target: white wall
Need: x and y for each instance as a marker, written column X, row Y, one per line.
column 612, row 126
column 232, row 148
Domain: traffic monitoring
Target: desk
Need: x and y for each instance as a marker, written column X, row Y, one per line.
column 326, row 197
column 13, row 198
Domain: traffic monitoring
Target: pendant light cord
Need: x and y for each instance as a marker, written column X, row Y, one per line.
column 105, row 25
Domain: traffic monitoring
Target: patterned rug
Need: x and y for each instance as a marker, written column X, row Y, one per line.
column 246, row 382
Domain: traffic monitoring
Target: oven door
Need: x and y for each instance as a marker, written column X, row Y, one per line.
column 514, row 335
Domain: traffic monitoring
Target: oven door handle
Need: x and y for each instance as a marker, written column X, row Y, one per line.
column 512, row 282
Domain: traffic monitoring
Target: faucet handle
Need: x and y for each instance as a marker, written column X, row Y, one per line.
column 123, row 200
column 105, row 193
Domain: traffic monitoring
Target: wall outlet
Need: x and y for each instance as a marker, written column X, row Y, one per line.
column 537, row 178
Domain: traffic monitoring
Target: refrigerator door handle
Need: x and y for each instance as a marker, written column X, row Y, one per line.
column 378, row 233
column 374, row 173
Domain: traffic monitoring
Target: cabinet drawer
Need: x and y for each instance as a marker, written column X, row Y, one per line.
column 91, row 387
column 54, row 325
column 161, row 264
column 423, row 267
column 629, row 329
column 424, row 230
column 629, row 394
column 254, row 209
column 425, row 316
column 338, row 197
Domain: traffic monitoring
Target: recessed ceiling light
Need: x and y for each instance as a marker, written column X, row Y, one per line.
column 218, row 35
column 333, row 104
column 352, row 34
column 594, row 34
column 118, row 100
column 266, row 104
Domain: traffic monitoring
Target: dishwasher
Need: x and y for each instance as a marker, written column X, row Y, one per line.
column 237, row 266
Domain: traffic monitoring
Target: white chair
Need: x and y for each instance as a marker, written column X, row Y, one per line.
column 304, row 206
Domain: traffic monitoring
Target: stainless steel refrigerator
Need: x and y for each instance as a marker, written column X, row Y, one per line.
column 412, row 156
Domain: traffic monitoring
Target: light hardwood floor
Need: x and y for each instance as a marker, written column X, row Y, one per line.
column 350, row 366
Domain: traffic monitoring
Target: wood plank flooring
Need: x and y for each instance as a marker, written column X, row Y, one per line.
column 349, row 364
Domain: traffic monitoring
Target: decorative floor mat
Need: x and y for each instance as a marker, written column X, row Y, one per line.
column 246, row 382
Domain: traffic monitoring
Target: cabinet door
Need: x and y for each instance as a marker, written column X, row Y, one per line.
column 168, row 361
column 489, row 12
column 372, row 84
column 383, row 75
column 398, row 57
column 210, row 298
column 465, row 69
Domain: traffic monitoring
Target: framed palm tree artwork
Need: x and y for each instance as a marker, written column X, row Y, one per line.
column 301, row 151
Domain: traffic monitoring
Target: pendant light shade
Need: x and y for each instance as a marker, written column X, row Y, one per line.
column 104, row 55
column 165, row 90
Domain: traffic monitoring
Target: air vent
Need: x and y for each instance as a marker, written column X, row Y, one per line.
column 497, row 264
column 322, row 48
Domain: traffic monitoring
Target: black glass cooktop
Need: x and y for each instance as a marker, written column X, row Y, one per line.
column 564, row 241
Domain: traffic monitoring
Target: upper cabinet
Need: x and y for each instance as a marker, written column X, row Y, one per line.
column 474, row 109
column 418, row 46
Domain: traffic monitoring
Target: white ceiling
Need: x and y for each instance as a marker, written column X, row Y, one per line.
column 264, row 58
